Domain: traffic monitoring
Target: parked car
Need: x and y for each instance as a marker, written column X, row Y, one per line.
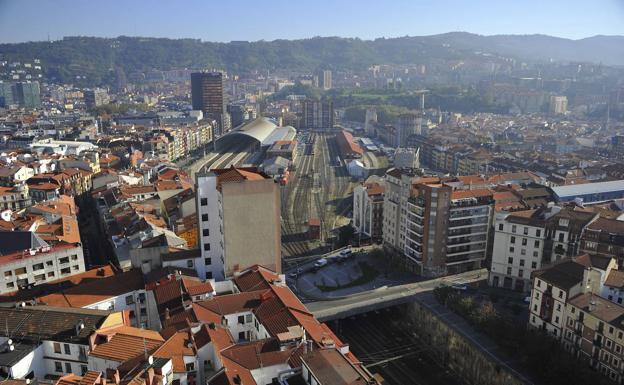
column 319, row 264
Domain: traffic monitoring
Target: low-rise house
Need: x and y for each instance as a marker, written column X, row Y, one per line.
column 49, row 341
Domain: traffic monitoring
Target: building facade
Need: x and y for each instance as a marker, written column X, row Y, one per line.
column 238, row 211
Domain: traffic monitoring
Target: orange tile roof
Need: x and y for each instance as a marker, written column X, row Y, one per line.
column 123, row 347
column 95, row 291
column 175, row 348
column 462, row 194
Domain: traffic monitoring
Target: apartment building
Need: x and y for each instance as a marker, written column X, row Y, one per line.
column 604, row 236
column 595, row 334
column 436, row 227
column 14, row 198
column 553, row 287
column 368, row 200
column 26, row 259
column 239, row 221
column 398, row 185
column 447, row 231
column 48, row 341
column 527, row 240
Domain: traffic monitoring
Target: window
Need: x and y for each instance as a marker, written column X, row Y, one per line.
column 8, row 274
column 75, row 268
column 512, row 240
column 524, row 241
column 57, row 348
column 58, row 367
column 64, row 260
column 248, row 318
column 189, row 263
column 38, row 266
column 241, row 335
column 49, row 263
column 190, row 366
column 610, row 329
column 204, row 217
column 513, row 228
column 50, row 274
column 537, row 243
column 560, row 294
column 511, row 249
column 65, row 270
column 557, row 319
column 522, row 262
column 66, row 348
column 534, row 265
column 509, row 271
column 209, row 275
column 40, row 277
column 526, row 231
column 68, row 368
column 207, row 261
column 83, row 369
column 204, row 201
column 206, row 246
column 241, row 319
column 129, row 300
column 206, row 232
column 535, row 254
column 510, row 260
column 558, row 307
column 522, row 251
column 560, row 237
column 520, row 273
column 74, row 257
column 10, row 285
column 539, row 283
column 500, row 227
column 21, row 270
column 538, row 233
column 534, row 309
column 537, row 295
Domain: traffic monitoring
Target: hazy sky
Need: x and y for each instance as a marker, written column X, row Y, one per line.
column 225, row 20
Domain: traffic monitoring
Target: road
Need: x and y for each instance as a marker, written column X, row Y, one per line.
column 387, row 296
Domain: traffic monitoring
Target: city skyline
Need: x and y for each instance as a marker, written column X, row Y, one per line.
column 193, row 19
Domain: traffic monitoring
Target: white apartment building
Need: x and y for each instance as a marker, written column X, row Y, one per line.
column 527, row 240
column 28, row 260
column 368, row 203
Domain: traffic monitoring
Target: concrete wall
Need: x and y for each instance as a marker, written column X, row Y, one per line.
column 251, row 225
column 456, row 352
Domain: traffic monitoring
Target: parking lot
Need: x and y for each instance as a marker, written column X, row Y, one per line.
column 360, row 272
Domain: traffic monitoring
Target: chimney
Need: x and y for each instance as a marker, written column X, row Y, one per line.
column 79, row 326
column 113, row 375
column 149, row 380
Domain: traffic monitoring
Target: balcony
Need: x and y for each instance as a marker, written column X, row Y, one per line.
column 474, row 249
column 416, row 201
column 460, row 214
column 466, row 240
column 475, row 230
column 467, row 222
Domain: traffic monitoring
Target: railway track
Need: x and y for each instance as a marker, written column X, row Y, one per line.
column 296, row 204
column 379, row 340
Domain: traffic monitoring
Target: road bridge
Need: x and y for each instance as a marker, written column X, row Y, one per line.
column 386, row 296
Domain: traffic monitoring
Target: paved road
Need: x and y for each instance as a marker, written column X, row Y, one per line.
column 382, row 297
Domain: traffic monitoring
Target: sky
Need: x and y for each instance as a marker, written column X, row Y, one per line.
column 226, row 20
